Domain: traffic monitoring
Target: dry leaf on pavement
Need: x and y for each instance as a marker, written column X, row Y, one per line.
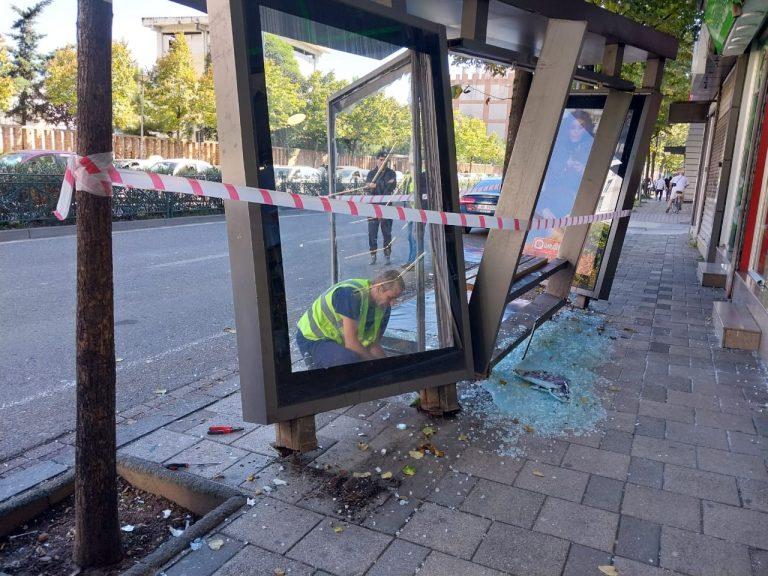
column 409, row 470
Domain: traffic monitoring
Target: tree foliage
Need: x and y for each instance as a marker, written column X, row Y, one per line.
column 313, row 132
column 377, row 122
column 170, row 95
column 27, row 63
column 205, row 100
column 473, row 144
column 7, row 86
column 60, row 87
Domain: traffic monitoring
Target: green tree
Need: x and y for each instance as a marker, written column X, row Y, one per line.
column 26, row 63
column 170, row 93
column 284, row 99
column 205, row 101
column 313, row 133
column 377, row 122
column 60, row 87
column 473, row 144
column 7, row 86
column 281, row 53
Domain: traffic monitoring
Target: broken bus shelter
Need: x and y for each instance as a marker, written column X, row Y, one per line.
column 561, row 42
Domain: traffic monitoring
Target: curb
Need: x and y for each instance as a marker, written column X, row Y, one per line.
column 117, row 226
column 213, row 501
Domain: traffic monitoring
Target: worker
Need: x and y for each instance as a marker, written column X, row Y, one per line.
column 381, row 181
column 346, row 322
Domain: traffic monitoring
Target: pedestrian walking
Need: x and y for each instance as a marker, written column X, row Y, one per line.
column 659, row 186
column 380, row 181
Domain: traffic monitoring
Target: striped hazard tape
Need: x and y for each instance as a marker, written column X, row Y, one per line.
column 96, row 174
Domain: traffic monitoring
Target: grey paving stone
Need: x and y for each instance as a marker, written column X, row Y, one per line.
column 627, row 567
column 604, row 493
column 639, row 540
column 300, row 483
column 446, row 530
column 705, row 485
column 739, row 525
column 399, row 559
column 664, row 451
column 697, row 435
column 731, row 463
column 503, row 503
column 583, row 561
column 489, row 465
column 597, row 461
column 754, row 494
column 347, row 553
column 229, row 406
column 553, row 480
column 620, row 421
column 581, row 524
column 646, row 472
column 660, row 506
column 347, row 428
column 547, row 450
column 452, row 489
column 243, row 468
column 260, row 440
column 272, row 524
column 439, row 564
column 519, row 551
column 130, row 429
column 216, row 457
column 748, row 443
column 257, row 562
column 19, row 480
column 160, row 445
column 617, row 441
column 706, row 401
column 759, row 562
column 204, row 561
column 701, row 555
column 192, row 420
column 667, row 411
column 725, row 421
column 654, row 392
column 651, row 427
column 392, row 515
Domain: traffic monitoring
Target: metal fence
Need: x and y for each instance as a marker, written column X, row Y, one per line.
column 28, row 199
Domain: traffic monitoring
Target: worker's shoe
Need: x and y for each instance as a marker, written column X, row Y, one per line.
column 387, row 260
column 373, row 259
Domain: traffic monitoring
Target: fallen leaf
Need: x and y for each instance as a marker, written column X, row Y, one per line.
column 416, row 454
column 409, row 470
column 250, row 477
column 614, row 388
column 432, row 449
column 161, row 391
column 338, row 529
column 502, row 382
column 428, row 431
column 230, row 330
column 257, row 492
column 463, row 438
column 361, row 474
column 386, row 475
column 279, row 572
column 218, row 477
column 608, row 570
column 538, row 473
column 528, row 428
column 362, row 446
column 215, row 544
column 127, row 528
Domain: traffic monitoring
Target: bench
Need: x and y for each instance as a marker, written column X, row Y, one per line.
column 735, row 327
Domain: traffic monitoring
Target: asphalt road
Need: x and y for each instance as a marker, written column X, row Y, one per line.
column 173, row 300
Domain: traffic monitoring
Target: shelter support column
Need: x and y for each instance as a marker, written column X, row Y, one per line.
column 588, row 196
column 522, row 182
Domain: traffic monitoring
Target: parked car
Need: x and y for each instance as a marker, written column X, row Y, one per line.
column 481, row 199
column 176, row 165
column 37, row 159
column 350, row 175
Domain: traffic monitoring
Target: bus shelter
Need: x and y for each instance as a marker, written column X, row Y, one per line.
column 575, row 51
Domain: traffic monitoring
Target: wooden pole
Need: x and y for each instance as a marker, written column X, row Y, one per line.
column 97, row 537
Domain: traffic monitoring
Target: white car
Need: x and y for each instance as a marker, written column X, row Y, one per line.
column 176, row 165
column 350, row 175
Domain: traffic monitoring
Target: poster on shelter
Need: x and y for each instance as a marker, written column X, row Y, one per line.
column 561, row 183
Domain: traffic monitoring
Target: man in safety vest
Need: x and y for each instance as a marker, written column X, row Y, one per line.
column 346, row 322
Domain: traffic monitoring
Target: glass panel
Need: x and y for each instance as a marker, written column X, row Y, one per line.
column 564, row 172
column 591, row 259
column 378, row 306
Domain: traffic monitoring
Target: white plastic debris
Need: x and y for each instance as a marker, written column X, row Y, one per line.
column 251, row 501
column 278, row 482
column 166, row 514
column 176, row 532
column 127, row 528
column 401, row 426
column 196, row 544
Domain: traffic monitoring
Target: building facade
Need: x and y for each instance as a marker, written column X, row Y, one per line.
column 485, row 97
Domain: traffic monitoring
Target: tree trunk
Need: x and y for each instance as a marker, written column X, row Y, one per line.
column 97, row 539
column 521, row 85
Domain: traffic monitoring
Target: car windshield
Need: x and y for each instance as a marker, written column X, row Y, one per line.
column 486, row 187
column 281, row 172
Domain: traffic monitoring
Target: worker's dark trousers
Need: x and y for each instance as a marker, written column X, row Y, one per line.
column 373, row 235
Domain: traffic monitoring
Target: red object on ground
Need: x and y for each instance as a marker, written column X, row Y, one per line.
column 176, row 465
column 215, row 430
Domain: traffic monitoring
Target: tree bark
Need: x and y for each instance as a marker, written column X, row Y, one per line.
column 521, row 85
column 97, row 538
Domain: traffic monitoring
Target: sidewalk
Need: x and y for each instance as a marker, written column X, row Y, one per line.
column 663, row 475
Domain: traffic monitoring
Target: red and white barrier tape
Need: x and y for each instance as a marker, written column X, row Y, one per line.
column 95, row 174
